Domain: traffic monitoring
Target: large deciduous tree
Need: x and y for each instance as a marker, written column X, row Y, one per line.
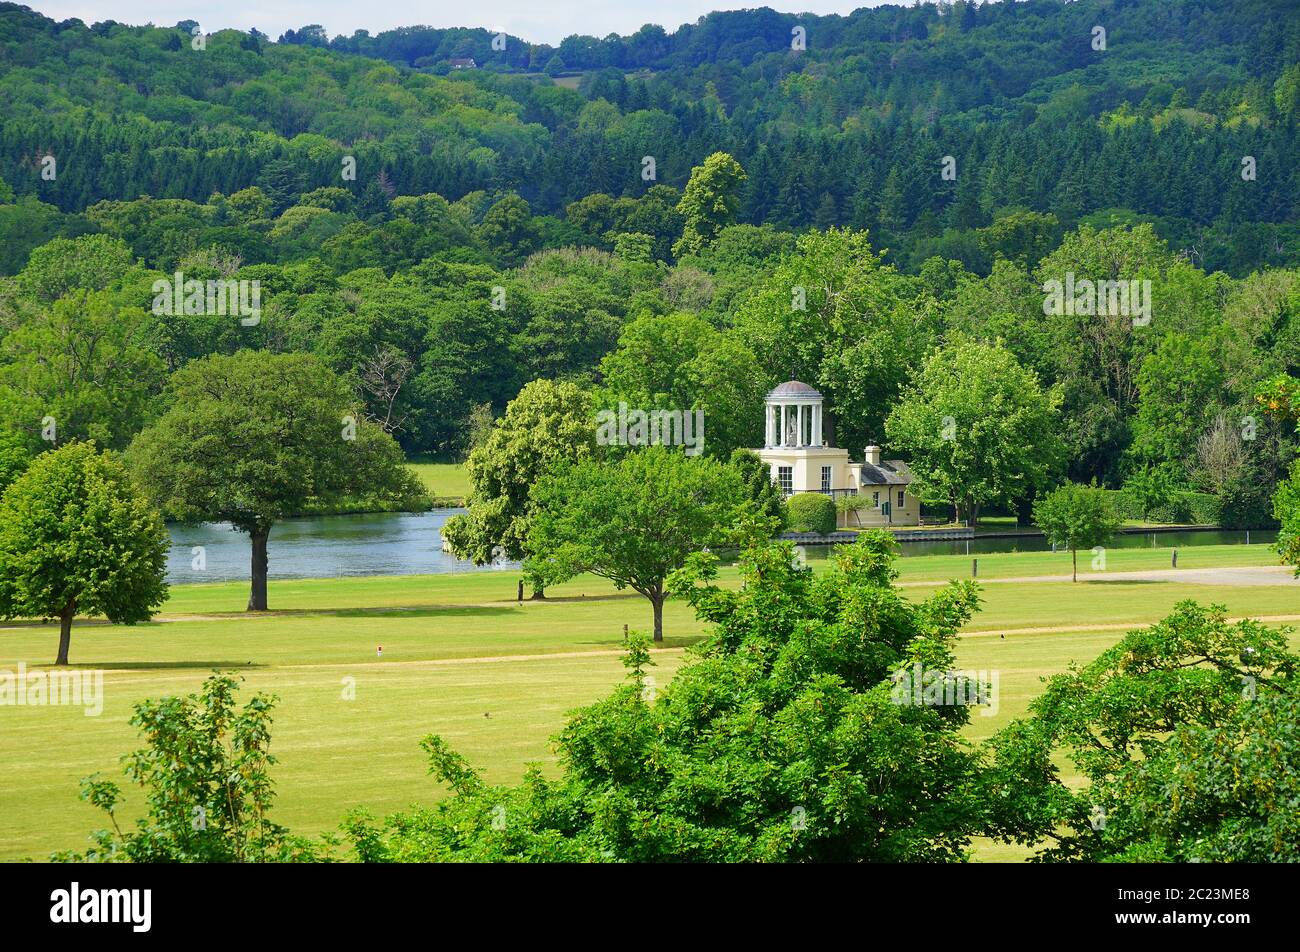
column 710, row 202
column 85, row 364
column 546, row 424
column 833, row 315
column 1184, row 733
column 253, row 438
column 977, row 428
column 78, row 537
column 633, row 521
column 681, row 362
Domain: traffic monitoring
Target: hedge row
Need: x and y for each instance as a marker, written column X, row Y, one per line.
column 1190, row 508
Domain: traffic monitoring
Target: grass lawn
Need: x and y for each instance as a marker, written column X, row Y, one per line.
column 1028, row 564
column 443, row 479
column 463, row 659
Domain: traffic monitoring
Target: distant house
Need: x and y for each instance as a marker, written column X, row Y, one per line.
column 801, row 462
column 463, row 63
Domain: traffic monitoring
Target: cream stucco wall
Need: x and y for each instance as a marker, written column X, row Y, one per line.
column 806, row 464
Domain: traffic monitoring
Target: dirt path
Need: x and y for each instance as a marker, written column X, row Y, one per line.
column 617, row 652
column 1102, row 626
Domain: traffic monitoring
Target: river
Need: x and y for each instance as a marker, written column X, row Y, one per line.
column 411, row 544
column 389, row 543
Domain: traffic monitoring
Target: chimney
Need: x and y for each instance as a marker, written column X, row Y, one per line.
column 873, row 455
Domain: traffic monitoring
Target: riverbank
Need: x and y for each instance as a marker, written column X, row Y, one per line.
column 446, row 483
column 401, row 543
column 445, row 486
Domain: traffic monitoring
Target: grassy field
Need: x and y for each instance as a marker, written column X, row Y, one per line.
column 443, row 480
column 1031, row 564
column 463, row 659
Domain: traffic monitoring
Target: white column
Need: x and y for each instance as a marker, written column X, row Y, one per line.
column 767, row 424
column 781, row 442
column 801, row 442
column 817, row 424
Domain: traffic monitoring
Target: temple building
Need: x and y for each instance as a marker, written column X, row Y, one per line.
column 801, row 462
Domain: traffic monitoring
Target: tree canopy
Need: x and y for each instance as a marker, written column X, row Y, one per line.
column 255, row 437
column 977, row 427
column 633, row 521
column 77, row 537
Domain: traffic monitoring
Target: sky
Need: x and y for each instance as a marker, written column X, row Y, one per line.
column 537, row 21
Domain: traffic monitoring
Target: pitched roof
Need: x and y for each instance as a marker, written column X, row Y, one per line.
column 890, row 472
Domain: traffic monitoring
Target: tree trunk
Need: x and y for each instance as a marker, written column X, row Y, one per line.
column 657, row 600
column 539, row 592
column 1074, row 559
column 65, row 630
column 257, row 594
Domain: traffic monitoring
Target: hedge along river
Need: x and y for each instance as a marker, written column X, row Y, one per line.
column 401, row 543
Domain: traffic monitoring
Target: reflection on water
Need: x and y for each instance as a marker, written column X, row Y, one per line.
column 401, row 543
column 391, row 543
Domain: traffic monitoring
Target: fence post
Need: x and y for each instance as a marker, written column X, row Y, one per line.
column 520, row 596
column 1174, row 561
column 974, row 568
column 625, row 631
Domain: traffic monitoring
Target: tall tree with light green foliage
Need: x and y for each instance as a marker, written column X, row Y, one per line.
column 681, row 362
column 77, row 537
column 548, row 423
column 1077, row 517
column 709, row 203
column 253, row 438
column 82, row 367
column 634, row 521
column 977, row 428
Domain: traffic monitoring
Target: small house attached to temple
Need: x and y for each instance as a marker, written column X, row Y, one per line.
column 802, row 462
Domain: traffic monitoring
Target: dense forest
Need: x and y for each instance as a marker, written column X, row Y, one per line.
column 633, row 213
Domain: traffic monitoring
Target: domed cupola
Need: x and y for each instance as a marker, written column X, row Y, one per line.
column 794, row 415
